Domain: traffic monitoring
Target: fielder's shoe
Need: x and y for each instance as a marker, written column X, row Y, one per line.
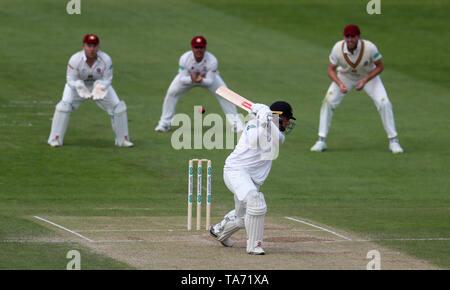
column 162, row 128
column 320, row 146
column 126, row 143
column 54, row 143
column 227, row 243
column 395, row 147
column 256, row 251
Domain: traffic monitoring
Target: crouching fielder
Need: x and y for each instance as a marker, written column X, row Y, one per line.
column 89, row 75
column 245, row 171
column 197, row 68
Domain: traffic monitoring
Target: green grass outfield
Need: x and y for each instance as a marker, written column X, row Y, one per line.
column 267, row 50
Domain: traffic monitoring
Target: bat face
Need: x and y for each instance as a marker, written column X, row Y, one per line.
column 234, row 98
column 237, row 100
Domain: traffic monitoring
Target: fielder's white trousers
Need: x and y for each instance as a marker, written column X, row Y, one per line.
column 71, row 101
column 374, row 88
column 107, row 103
column 178, row 89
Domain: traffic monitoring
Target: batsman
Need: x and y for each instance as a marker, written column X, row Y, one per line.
column 245, row 170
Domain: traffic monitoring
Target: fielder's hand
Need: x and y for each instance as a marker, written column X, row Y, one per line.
column 361, row 84
column 196, row 77
column 343, row 88
column 99, row 91
column 82, row 91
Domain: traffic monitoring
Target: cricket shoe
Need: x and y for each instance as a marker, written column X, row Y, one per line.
column 54, row 143
column 395, row 147
column 127, row 143
column 257, row 251
column 162, row 128
column 226, row 243
column 320, row 146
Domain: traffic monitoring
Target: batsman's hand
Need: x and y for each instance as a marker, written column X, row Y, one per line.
column 99, row 91
column 82, row 90
column 257, row 107
column 264, row 115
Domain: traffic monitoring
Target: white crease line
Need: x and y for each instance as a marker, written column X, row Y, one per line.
column 63, row 228
column 187, row 241
column 33, row 241
column 119, row 208
column 389, row 240
column 323, row 229
column 172, row 230
column 119, row 241
column 107, row 231
column 406, row 239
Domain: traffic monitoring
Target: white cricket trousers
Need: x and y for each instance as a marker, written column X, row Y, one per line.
column 107, row 103
column 250, row 207
column 71, row 101
column 178, row 89
column 374, row 88
column 241, row 184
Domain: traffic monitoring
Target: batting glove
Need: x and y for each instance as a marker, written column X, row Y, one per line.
column 264, row 115
column 257, row 107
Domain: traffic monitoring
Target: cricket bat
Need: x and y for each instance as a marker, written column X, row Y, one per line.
column 237, row 99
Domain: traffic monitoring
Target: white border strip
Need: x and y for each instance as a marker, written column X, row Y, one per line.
column 321, row 228
column 63, row 228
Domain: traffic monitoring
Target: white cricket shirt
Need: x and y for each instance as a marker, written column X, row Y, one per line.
column 78, row 69
column 207, row 67
column 356, row 65
column 248, row 155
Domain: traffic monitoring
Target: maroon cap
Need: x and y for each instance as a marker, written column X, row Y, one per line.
column 91, row 39
column 351, row 30
column 198, row 41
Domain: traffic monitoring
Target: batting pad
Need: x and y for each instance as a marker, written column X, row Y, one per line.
column 254, row 220
column 229, row 226
column 119, row 122
column 60, row 122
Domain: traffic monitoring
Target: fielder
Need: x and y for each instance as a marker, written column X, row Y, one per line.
column 358, row 63
column 197, row 68
column 245, row 171
column 89, row 75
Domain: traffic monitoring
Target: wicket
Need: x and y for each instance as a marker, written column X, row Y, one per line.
column 199, row 193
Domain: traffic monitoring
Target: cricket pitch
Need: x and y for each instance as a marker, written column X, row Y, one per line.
column 164, row 243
